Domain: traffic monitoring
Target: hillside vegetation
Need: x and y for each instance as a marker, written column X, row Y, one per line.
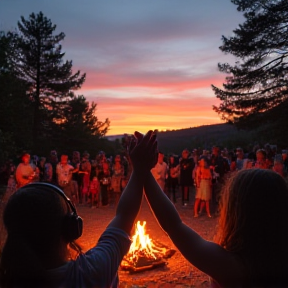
column 204, row 137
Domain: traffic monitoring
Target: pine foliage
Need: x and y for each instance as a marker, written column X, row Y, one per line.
column 258, row 82
column 38, row 60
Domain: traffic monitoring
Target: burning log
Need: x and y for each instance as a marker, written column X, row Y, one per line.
column 144, row 254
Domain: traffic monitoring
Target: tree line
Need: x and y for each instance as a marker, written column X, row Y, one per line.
column 255, row 92
column 39, row 107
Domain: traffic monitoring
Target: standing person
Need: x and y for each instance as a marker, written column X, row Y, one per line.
column 64, row 177
column 160, row 171
column 261, row 159
column 172, row 180
column 41, row 167
column 232, row 161
column 34, row 163
column 117, row 176
column 278, row 166
column 75, row 162
column 219, row 167
column 94, row 189
column 84, row 175
column 203, row 179
column 251, row 245
column 186, row 168
column 48, row 172
column 104, row 178
column 36, row 252
column 25, row 173
column 241, row 162
column 53, row 161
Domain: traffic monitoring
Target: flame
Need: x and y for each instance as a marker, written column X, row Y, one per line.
column 143, row 246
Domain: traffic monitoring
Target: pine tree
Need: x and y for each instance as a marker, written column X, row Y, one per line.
column 80, row 127
column 80, row 116
column 15, row 108
column 38, row 61
column 257, row 83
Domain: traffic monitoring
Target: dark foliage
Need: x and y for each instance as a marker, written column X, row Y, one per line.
column 39, row 110
column 36, row 58
column 257, row 82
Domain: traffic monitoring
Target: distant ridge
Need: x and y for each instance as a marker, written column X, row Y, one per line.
column 184, row 131
column 205, row 136
column 114, row 137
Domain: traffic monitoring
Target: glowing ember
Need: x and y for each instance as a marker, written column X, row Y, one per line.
column 144, row 253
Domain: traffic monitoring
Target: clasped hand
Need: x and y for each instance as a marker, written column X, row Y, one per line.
column 143, row 151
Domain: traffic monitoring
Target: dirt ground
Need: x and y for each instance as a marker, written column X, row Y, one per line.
column 178, row 272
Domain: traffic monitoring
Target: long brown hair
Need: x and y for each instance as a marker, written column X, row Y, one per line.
column 253, row 224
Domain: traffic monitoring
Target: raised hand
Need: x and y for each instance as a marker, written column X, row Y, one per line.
column 143, row 155
column 143, row 151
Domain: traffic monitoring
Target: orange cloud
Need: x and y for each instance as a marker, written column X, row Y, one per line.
column 130, row 114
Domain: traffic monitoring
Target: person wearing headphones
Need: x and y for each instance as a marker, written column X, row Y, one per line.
column 42, row 225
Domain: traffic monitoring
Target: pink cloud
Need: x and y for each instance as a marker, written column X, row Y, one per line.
column 106, row 80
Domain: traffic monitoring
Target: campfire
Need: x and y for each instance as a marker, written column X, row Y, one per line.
column 144, row 253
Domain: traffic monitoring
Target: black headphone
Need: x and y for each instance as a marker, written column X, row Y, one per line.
column 72, row 224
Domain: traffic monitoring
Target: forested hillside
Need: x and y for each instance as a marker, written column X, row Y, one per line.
column 204, row 137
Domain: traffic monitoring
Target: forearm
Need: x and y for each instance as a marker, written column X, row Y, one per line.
column 193, row 247
column 129, row 203
column 161, row 206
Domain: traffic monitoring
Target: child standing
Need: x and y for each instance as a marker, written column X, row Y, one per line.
column 117, row 175
column 104, row 177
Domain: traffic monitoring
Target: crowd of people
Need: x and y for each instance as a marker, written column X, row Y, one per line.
column 100, row 181
column 206, row 172
column 250, row 247
column 85, row 181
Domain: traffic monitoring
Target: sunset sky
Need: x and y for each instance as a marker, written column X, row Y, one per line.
column 149, row 64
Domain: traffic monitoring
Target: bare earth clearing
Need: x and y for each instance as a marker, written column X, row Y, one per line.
column 177, row 273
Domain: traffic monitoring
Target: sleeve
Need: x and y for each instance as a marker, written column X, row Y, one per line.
column 100, row 264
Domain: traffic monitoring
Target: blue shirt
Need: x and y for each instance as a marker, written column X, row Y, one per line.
column 97, row 267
